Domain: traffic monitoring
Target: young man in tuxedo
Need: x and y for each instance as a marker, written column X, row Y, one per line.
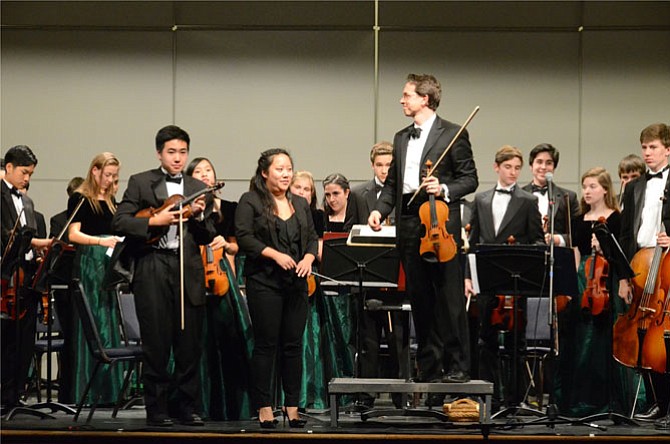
column 28, row 243
column 435, row 288
column 156, row 280
column 394, row 324
column 498, row 214
column 645, row 221
column 543, row 159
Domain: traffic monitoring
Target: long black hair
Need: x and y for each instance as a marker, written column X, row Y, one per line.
column 258, row 181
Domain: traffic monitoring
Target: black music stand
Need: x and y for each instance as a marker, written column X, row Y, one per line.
column 521, row 270
column 372, row 265
column 56, row 269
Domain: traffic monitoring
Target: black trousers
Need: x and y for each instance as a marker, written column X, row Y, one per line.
column 436, row 293
column 18, row 340
column 278, row 317
column 157, row 301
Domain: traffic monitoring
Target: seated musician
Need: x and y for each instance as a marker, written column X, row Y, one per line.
column 22, row 244
column 499, row 215
column 394, row 324
column 645, row 221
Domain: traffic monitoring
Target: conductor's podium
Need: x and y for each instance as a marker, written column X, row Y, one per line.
column 481, row 389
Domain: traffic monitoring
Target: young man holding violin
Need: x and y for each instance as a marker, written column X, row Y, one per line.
column 646, row 204
column 501, row 215
column 19, row 218
column 543, row 160
column 156, row 280
column 434, row 288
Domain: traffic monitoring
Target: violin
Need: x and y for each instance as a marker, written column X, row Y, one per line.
column 12, row 280
column 10, row 288
column 216, row 278
column 647, row 307
column 437, row 245
column 311, row 285
column 174, row 203
column 595, row 298
column 503, row 316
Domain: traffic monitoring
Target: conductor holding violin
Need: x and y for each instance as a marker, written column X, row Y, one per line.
column 435, row 288
column 155, row 244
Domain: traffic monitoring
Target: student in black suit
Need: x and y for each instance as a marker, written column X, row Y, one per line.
column 543, row 159
column 435, row 289
column 499, row 213
column 640, row 228
column 58, row 221
column 156, row 281
column 394, row 324
column 28, row 244
column 276, row 233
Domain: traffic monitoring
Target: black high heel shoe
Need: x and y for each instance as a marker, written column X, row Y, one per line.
column 268, row 423
column 293, row 423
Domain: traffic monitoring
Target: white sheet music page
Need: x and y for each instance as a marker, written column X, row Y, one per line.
column 472, row 260
column 363, row 235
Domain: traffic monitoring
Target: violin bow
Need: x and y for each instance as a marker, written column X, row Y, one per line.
column 444, row 153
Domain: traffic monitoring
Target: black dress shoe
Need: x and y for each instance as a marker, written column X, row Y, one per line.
column 159, row 421
column 191, row 420
column 653, row 413
column 456, row 376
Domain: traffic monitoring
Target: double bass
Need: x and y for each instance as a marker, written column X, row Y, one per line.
column 630, row 329
column 656, row 345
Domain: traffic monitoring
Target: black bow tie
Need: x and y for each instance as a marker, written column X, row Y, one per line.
column 659, row 175
column 538, row 189
column 414, row 132
column 504, row 191
column 378, row 187
column 15, row 192
column 176, row 179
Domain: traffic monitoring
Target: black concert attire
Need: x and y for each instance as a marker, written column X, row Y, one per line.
column 393, row 324
column 18, row 340
column 563, row 212
column 90, row 265
column 516, row 214
column 156, row 286
column 277, row 298
column 434, row 289
column 636, row 198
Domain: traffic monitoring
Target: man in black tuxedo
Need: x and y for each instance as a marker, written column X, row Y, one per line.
column 28, row 243
column 643, row 212
column 435, row 288
column 394, row 324
column 156, row 280
column 499, row 213
column 543, row 159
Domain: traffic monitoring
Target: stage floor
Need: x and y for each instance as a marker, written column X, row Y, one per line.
column 130, row 425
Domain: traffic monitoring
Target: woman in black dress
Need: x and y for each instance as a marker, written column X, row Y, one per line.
column 275, row 231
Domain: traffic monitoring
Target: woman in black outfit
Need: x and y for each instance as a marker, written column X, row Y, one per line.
column 276, row 233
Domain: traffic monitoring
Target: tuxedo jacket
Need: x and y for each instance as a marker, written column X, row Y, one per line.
column 35, row 226
column 255, row 231
column 148, row 189
column 522, row 219
column 366, row 199
column 457, row 170
column 561, row 209
column 631, row 216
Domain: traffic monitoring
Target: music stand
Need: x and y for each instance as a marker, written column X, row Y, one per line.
column 373, row 264
column 521, row 270
column 55, row 270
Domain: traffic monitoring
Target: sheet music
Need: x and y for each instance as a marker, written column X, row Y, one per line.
column 363, row 235
column 472, row 260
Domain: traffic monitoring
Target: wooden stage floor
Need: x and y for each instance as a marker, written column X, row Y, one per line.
column 130, row 426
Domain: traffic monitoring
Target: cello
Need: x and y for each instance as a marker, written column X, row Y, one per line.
column 595, row 298
column 657, row 340
column 630, row 329
column 437, row 245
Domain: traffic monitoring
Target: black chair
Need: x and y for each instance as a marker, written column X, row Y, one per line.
column 107, row 356
column 42, row 346
column 130, row 334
